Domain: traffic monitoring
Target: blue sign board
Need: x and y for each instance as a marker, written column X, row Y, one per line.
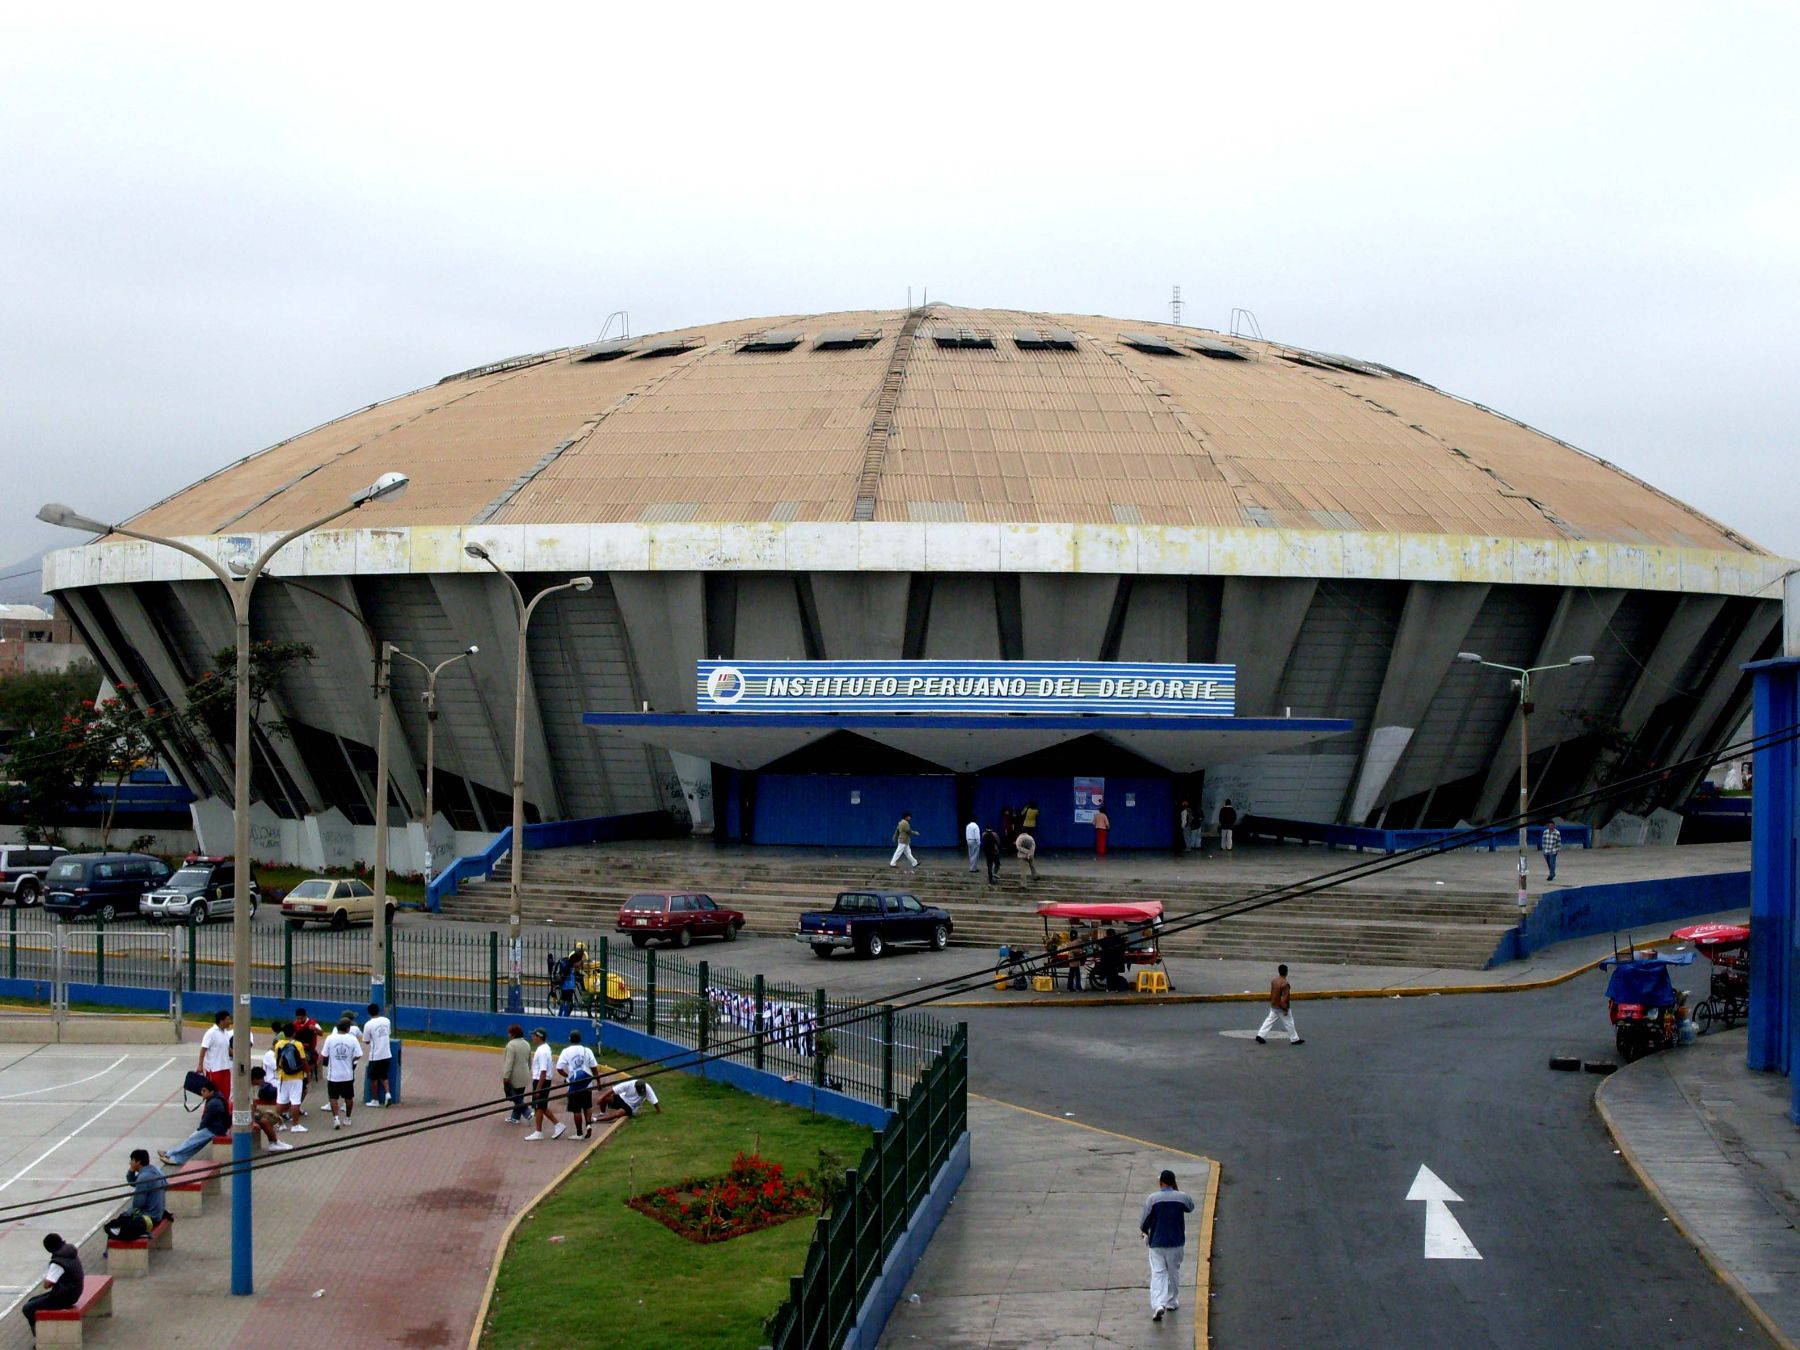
column 965, row 687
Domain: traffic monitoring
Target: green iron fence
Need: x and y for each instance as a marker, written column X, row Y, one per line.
column 785, row 1028
column 880, row 1195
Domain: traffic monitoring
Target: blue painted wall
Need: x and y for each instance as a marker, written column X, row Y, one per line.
column 1149, row 823
column 1640, row 908
column 1775, row 869
column 816, row 809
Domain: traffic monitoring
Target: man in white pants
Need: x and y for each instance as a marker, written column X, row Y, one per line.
column 1163, row 1223
column 903, row 835
column 1280, row 1014
column 972, row 837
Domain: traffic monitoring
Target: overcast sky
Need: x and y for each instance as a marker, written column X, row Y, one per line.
column 222, row 227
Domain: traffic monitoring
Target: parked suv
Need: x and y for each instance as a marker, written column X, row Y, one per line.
column 22, row 868
column 201, row 889
column 104, row 885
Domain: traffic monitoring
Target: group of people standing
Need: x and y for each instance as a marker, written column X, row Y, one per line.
column 531, row 1066
column 1016, row 835
column 1192, row 824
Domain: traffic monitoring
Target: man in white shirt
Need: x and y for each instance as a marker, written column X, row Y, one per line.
column 972, row 837
column 376, row 1034
column 578, row 1066
column 340, row 1052
column 626, row 1099
column 543, row 1064
column 215, row 1053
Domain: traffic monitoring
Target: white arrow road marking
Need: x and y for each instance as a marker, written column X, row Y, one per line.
column 1444, row 1237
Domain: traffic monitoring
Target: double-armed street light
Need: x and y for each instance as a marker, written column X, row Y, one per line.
column 239, row 583
column 1522, row 683
column 431, row 716
column 515, row 996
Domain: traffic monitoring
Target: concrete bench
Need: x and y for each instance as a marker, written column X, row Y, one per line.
column 62, row 1326
column 132, row 1256
column 220, row 1148
column 189, row 1187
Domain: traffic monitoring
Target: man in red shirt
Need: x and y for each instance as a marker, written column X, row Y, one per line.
column 307, row 1031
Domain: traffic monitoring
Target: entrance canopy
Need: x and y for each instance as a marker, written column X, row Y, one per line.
column 967, row 743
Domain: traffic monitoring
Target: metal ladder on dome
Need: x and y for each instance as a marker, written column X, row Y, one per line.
column 881, row 428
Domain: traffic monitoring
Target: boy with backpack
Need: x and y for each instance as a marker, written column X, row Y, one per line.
column 290, row 1076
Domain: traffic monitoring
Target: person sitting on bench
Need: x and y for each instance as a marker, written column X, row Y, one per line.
column 62, row 1280
column 215, row 1120
column 148, row 1186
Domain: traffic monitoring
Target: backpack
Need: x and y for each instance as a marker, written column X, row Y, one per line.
column 287, row 1059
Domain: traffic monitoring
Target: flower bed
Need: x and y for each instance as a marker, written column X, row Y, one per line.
column 753, row 1195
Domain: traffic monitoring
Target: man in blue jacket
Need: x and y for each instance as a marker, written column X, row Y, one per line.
column 148, row 1189
column 1164, row 1226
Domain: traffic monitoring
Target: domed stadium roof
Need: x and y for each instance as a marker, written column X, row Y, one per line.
column 946, row 415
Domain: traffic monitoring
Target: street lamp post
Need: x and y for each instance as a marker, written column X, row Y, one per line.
column 239, row 588
column 515, row 998
column 431, row 715
column 1522, row 682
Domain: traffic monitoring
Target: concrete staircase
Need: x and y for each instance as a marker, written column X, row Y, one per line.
column 1373, row 922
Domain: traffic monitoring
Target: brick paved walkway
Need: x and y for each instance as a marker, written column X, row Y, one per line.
column 399, row 1237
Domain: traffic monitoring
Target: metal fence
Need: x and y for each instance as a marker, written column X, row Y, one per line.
column 876, row 1054
column 880, row 1195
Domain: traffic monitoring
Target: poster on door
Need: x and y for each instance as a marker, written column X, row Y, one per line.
column 1090, row 796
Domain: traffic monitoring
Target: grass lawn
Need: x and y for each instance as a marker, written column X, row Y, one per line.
column 625, row 1276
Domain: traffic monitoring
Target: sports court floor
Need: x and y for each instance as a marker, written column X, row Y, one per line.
column 69, row 1115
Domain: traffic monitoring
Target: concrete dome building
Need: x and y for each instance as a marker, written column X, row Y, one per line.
column 944, row 484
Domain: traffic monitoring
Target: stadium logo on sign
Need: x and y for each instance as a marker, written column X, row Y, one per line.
column 724, row 684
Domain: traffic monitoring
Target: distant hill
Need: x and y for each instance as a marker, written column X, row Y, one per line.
column 22, row 582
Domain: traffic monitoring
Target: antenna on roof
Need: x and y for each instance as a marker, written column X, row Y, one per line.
column 1244, row 324
column 909, row 297
column 1175, row 308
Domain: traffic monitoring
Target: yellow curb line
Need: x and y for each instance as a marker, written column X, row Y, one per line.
column 506, row 1237
column 1208, row 1210
column 1392, row 991
column 1706, row 1253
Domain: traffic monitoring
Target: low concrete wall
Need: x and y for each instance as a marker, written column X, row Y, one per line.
column 1626, row 906
column 87, row 1029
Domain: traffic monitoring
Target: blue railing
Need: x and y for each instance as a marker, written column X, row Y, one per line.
column 549, row 834
column 1361, row 837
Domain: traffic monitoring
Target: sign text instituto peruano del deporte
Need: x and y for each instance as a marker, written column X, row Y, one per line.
column 966, row 687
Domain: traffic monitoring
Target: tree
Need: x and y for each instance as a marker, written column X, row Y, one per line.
column 59, row 765
column 212, row 696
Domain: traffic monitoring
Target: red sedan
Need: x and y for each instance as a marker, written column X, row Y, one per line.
column 676, row 916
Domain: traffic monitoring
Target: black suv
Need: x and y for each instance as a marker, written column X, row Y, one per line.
column 22, row 868
column 104, row 885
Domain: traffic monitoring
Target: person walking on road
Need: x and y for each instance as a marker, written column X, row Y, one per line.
column 377, row 1038
column 1551, row 844
column 515, row 1073
column 1163, row 1223
column 340, row 1052
column 1102, row 824
column 972, row 837
column 543, row 1065
column 1228, row 819
column 1026, row 844
column 215, row 1053
column 990, row 849
column 1280, row 1014
column 903, row 837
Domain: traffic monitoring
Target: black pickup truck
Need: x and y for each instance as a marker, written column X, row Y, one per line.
column 871, row 922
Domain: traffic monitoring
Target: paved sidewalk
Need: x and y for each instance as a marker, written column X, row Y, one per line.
column 1712, row 1141
column 1041, row 1249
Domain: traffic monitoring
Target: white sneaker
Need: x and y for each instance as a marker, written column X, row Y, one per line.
column 279, row 1147
column 296, row 1129
column 535, row 1134
column 337, row 1122
column 561, row 1130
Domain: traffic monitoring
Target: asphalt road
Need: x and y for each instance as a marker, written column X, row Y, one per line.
column 1316, row 1243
